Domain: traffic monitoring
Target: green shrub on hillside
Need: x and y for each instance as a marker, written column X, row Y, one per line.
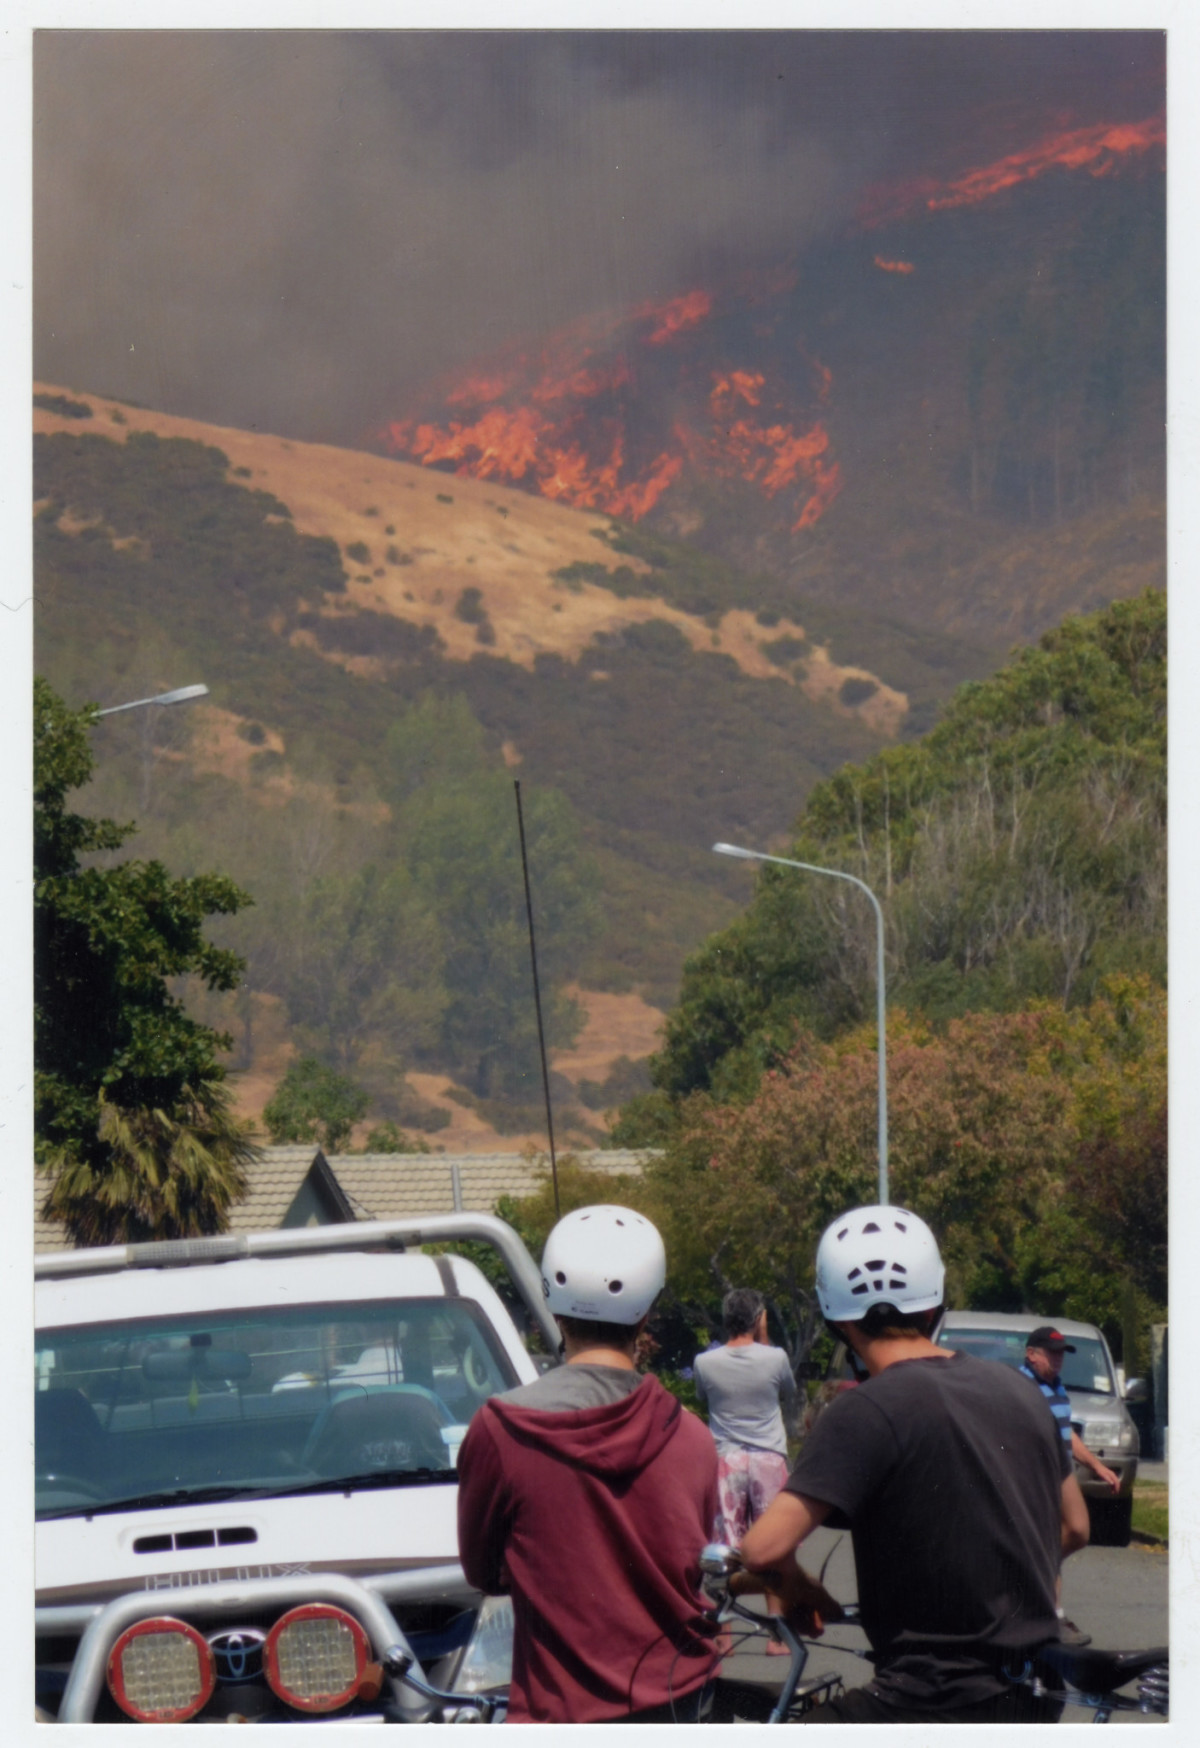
column 63, row 406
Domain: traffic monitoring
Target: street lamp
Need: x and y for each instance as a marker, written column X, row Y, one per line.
column 880, row 991
column 179, row 696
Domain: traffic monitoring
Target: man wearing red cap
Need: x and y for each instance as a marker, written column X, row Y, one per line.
column 1043, row 1363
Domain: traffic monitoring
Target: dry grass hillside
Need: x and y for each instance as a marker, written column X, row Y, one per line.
column 413, row 539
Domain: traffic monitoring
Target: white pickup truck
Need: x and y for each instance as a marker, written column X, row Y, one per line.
column 245, row 1470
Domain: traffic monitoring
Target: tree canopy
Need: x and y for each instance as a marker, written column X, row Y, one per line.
column 1018, row 851
column 313, row 1102
column 133, row 1122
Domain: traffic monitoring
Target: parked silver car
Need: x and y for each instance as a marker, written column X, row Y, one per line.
column 1098, row 1411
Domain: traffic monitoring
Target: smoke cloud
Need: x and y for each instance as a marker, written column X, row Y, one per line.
column 294, row 230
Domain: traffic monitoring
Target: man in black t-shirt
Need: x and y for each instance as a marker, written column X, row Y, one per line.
column 956, row 1487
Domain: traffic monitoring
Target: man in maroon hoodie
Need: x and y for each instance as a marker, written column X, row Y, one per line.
column 587, row 1497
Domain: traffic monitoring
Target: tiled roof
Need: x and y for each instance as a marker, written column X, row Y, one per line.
column 275, row 1179
column 387, row 1186
column 47, row 1234
column 393, row 1186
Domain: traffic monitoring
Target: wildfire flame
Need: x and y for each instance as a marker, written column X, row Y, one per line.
column 614, row 411
column 1099, row 150
column 582, row 422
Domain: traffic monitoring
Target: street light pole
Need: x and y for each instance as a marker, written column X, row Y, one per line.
column 880, row 990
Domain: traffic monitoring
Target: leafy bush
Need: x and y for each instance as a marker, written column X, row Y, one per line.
column 314, row 1103
column 64, row 407
column 390, row 1138
column 470, row 608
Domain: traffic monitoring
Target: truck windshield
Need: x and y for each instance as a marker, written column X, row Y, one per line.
column 1085, row 1369
column 281, row 1400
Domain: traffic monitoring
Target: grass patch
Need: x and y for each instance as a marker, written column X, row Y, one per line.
column 1150, row 1508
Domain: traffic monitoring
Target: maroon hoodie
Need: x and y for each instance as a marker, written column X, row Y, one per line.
column 593, row 1519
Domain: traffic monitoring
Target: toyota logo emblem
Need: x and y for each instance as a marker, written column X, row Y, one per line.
column 238, row 1656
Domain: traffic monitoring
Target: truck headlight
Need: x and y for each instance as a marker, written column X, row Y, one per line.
column 487, row 1660
column 315, row 1657
column 161, row 1671
column 1102, row 1432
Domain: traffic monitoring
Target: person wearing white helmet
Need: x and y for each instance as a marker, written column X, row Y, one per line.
column 587, row 1497
column 949, row 1473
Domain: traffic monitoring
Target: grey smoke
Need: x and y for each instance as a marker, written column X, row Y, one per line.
column 294, row 230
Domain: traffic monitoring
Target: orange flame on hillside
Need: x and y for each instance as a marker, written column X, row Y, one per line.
column 894, row 266
column 583, row 423
column 677, row 316
column 1100, row 150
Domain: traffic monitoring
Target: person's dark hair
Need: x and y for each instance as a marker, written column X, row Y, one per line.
column 623, row 1335
column 887, row 1320
column 741, row 1310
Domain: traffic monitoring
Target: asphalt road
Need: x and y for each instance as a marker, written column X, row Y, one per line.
column 1118, row 1595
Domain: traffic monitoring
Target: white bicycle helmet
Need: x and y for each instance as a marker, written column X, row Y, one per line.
column 604, row 1265
column 878, row 1256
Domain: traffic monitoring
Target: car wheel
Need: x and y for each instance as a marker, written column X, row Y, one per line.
column 1111, row 1522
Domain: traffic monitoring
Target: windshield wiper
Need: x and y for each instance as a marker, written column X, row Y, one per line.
column 147, row 1501
column 364, row 1482
column 281, row 1489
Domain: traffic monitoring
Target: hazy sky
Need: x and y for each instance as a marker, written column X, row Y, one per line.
column 291, row 229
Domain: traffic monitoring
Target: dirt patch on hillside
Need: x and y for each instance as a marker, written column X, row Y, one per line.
column 471, row 558
column 617, row 1025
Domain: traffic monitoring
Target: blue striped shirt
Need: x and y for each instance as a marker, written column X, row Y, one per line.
column 1060, row 1402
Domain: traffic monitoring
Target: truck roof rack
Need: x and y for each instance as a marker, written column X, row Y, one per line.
column 396, row 1235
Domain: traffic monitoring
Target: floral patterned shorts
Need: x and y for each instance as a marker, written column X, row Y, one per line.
column 747, row 1481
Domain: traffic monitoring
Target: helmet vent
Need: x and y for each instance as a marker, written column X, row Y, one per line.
column 560, row 1278
column 862, row 1287
column 900, row 1284
column 871, row 1226
column 877, row 1266
column 616, row 1286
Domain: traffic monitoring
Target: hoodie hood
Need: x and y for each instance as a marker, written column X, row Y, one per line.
column 615, row 1439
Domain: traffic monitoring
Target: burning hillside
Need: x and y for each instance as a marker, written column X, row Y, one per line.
column 1100, row 151
column 712, row 387
column 612, row 411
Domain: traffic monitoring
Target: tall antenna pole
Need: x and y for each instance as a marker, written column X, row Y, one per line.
column 537, row 998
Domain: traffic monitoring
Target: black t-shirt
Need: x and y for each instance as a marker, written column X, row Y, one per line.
column 949, row 1474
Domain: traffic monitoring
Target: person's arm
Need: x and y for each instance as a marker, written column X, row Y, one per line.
column 1075, row 1525
column 1091, row 1461
column 768, row 1555
column 483, row 1520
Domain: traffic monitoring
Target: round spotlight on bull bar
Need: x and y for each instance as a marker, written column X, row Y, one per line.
column 315, row 1657
column 161, row 1671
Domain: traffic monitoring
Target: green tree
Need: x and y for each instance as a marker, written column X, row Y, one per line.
column 363, row 967
column 133, row 1123
column 389, row 1137
column 1032, row 1142
column 313, row 1102
column 456, row 830
column 1018, row 851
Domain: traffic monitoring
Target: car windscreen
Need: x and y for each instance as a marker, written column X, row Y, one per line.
column 276, row 1400
column 1085, row 1369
